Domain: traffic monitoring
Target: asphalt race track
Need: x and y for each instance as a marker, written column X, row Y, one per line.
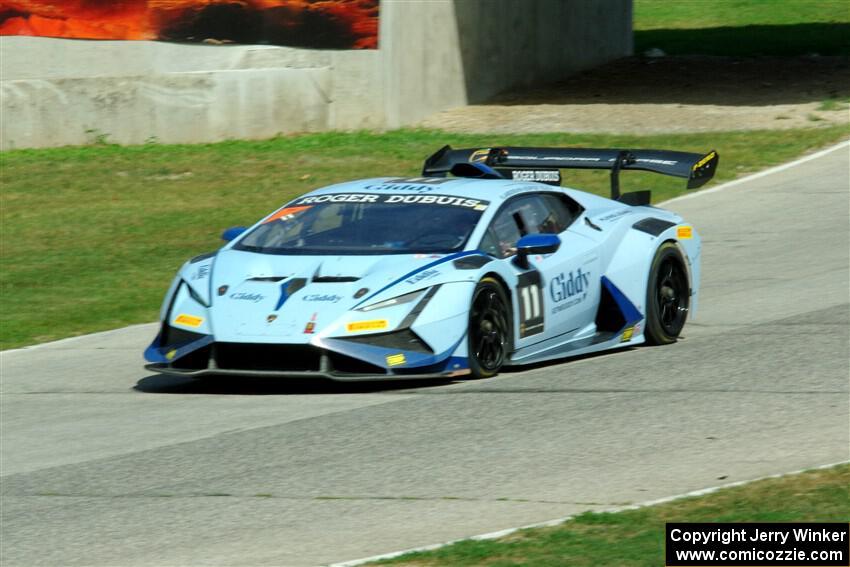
column 105, row 464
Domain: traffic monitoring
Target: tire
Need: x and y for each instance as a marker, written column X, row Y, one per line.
column 668, row 296
column 489, row 331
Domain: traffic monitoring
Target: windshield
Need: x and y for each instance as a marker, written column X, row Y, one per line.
column 362, row 223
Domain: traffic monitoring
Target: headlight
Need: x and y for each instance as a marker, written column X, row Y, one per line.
column 406, row 298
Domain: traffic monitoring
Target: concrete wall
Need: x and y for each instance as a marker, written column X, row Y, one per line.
column 423, row 68
column 505, row 43
column 57, row 91
column 442, row 53
column 434, row 54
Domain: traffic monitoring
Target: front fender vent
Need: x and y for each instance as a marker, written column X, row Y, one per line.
column 472, row 262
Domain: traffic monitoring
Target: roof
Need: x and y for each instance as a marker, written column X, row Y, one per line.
column 482, row 189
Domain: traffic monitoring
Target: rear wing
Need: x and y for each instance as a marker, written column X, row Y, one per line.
column 698, row 169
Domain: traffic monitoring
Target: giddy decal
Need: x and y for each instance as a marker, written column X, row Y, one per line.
column 571, row 288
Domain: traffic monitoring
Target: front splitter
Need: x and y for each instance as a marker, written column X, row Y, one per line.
column 339, row 377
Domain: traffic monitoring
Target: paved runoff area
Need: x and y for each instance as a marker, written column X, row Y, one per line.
column 106, row 464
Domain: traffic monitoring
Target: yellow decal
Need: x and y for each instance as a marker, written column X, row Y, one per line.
column 189, row 320
column 685, row 232
column 366, row 325
column 703, row 161
column 171, row 354
column 396, row 359
column 479, row 156
column 630, row 332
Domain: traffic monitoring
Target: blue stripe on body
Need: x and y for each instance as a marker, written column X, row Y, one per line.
column 422, row 269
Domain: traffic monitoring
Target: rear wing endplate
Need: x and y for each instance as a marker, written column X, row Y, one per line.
column 698, row 169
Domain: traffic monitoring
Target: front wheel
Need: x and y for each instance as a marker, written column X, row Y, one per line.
column 489, row 329
column 667, row 296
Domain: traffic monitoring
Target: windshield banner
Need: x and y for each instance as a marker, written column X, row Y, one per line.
column 444, row 200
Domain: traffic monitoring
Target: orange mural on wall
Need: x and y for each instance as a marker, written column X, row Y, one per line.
column 329, row 24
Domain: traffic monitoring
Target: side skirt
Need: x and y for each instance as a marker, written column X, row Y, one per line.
column 597, row 343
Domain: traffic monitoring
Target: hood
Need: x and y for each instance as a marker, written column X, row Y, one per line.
column 266, row 297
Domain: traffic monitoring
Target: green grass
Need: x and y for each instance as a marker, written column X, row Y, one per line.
column 636, row 537
column 743, row 27
column 696, row 14
column 91, row 236
column 837, row 103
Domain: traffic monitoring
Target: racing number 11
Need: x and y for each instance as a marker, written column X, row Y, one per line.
column 530, row 301
column 530, row 293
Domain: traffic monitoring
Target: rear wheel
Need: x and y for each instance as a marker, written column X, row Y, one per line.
column 489, row 329
column 668, row 296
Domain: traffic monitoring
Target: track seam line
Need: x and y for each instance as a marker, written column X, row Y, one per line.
column 558, row 521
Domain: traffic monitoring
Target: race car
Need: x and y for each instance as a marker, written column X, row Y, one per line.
column 482, row 262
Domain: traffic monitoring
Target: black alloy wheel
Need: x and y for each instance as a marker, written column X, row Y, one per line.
column 489, row 329
column 668, row 296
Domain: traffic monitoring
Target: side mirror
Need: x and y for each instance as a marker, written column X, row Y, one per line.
column 233, row 232
column 535, row 244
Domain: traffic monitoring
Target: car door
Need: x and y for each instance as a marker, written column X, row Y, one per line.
column 556, row 296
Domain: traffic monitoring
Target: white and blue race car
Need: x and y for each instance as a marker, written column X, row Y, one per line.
column 482, row 262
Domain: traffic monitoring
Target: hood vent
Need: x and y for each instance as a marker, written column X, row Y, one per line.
column 267, row 279
column 334, row 279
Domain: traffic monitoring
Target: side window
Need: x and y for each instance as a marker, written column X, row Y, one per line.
column 548, row 213
column 562, row 212
column 521, row 216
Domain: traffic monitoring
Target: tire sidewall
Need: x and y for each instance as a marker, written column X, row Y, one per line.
column 474, row 366
column 655, row 332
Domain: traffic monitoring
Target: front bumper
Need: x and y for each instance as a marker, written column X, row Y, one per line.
column 339, row 360
column 336, row 376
